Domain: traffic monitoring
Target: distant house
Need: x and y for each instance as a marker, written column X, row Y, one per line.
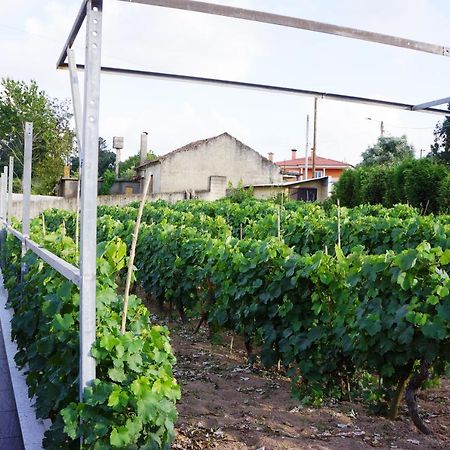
column 314, row 189
column 294, row 168
column 208, row 165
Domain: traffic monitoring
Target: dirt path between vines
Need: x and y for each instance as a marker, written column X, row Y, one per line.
column 225, row 405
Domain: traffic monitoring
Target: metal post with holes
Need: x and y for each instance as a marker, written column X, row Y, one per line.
column 76, row 97
column 89, row 191
column 78, row 113
column 1, row 202
column 3, row 194
column 305, row 177
column 26, row 187
column 26, row 179
column 10, row 189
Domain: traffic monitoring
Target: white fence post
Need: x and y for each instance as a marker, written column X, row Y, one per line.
column 10, row 188
column 89, row 167
column 26, row 186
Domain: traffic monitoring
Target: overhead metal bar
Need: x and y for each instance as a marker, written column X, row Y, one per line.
column 270, row 18
column 66, row 269
column 432, row 103
column 262, row 87
column 73, row 33
column 295, row 22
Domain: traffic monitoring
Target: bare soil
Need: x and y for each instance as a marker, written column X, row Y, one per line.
column 227, row 405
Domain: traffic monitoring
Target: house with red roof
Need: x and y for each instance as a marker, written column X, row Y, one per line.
column 294, row 168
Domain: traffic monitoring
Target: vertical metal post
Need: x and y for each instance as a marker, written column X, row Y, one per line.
column 89, row 164
column 4, row 191
column 26, row 184
column 3, row 195
column 76, row 97
column 78, row 113
column 2, row 200
column 10, row 188
column 306, row 147
column 314, row 140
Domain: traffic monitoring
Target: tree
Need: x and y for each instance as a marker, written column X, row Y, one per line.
column 444, row 195
column 388, row 151
column 106, row 159
column 22, row 102
column 126, row 168
column 423, row 183
column 441, row 147
column 347, row 189
column 423, row 178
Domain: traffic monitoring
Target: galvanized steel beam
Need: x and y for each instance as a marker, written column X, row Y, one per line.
column 295, row 22
column 270, row 18
column 76, row 98
column 10, row 189
column 73, row 33
column 432, row 103
column 26, row 187
column 89, row 166
column 263, row 87
column 66, row 269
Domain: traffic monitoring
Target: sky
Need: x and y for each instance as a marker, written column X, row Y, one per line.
column 32, row 34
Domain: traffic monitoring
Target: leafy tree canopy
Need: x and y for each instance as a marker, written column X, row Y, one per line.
column 388, row 150
column 126, row 168
column 440, row 149
column 22, row 102
column 423, row 183
column 106, row 159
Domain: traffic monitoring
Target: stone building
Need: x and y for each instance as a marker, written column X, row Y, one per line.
column 206, row 167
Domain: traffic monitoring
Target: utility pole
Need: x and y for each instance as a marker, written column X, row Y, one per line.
column 305, row 177
column 314, row 147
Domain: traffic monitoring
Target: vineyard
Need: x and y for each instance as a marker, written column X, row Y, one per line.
column 347, row 303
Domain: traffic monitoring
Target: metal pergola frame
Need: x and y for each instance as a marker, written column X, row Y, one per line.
column 274, row 19
column 87, row 118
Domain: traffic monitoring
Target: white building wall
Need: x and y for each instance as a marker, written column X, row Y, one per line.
column 224, row 156
column 155, row 171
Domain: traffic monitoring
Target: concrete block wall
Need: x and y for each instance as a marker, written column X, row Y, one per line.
column 39, row 203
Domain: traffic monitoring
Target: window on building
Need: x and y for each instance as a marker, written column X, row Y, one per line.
column 318, row 173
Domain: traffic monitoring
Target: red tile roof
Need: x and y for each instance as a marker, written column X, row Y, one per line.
column 320, row 162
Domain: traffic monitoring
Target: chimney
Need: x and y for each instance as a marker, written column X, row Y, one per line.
column 270, row 156
column 294, row 153
column 143, row 150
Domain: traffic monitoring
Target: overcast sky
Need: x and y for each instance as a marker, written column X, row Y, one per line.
column 32, row 33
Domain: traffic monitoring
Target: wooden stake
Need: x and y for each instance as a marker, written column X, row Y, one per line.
column 279, row 222
column 77, row 215
column 132, row 255
column 44, row 231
